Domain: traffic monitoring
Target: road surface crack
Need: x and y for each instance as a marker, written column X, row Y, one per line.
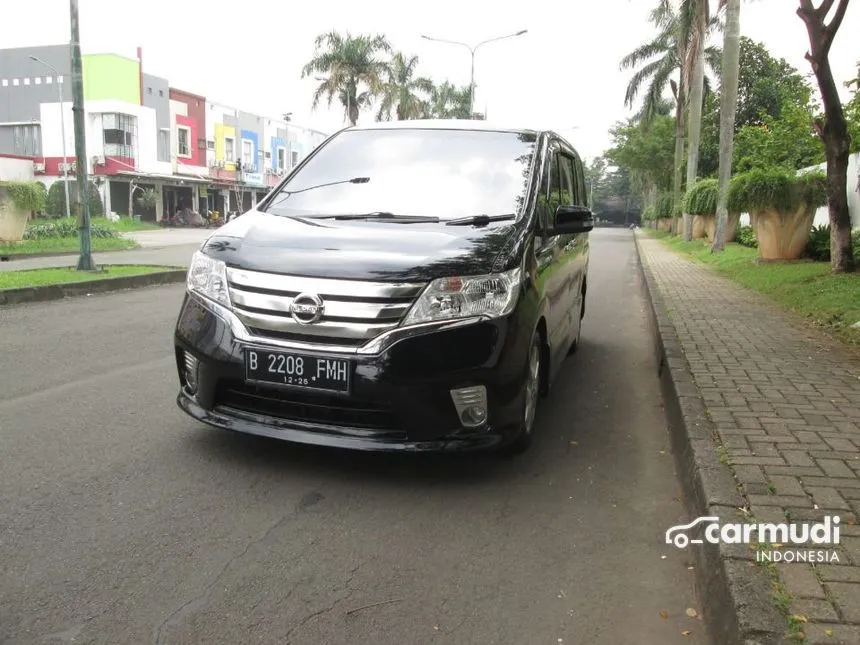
column 199, row 601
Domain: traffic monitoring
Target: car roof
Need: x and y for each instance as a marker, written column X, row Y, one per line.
column 475, row 125
column 443, row 124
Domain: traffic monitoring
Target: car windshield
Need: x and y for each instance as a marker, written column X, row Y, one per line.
column 443, row 174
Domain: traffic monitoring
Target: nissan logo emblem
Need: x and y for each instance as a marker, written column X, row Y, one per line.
column 307, row 308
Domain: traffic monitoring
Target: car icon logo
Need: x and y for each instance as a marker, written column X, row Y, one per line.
column 307, row 308
column 676, row 535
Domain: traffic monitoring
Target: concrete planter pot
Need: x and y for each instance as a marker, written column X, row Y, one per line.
column 782, row 235
column 700, row 225
column 664, row 224
column 731, row 226
column 13, row 220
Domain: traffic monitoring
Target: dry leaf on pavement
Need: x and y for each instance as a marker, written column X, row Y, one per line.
column 692, row 613
column 664, row 614
column 686, row 632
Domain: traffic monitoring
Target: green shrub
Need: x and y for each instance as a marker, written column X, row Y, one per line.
column 664, row 207
column 650, row 213
column 745, row 236
column 66, row 227
column 26, row 195
column 818, row 247
column 56, row 202
column 701, row 199
column 776, row 188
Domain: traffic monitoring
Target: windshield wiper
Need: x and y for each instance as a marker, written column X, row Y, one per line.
column 382, row 216
column 479, row 220
column 287, row 193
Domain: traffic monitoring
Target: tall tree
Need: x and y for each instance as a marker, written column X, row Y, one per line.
column 698, row 20
column 728, row 108
column 402, row 91
column 832, row 129
column 664, row 62
column 354, row 68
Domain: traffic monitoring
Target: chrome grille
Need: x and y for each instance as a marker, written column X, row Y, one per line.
column 355, row 311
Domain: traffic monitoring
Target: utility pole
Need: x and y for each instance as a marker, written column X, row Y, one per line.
column 85, row 261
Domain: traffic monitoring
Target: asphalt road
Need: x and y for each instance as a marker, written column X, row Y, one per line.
column 124, row 522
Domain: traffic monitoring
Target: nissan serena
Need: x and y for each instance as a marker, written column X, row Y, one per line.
column 412, row 285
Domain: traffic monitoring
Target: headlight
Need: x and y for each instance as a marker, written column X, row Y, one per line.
column 208, row 277
column 464, row 297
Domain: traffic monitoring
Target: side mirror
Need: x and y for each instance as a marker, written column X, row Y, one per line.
column 571, row 220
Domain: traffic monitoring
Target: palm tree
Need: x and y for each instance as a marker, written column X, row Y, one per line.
column 664, row 61
column 698, row 19
column 448, row 101
column 402, row 91
column 354, row 70
column 728, row 108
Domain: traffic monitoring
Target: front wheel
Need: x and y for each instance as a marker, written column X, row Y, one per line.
column 530, row 400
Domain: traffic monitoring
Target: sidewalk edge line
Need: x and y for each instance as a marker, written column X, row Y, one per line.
column 59, row 291
column 736, row 598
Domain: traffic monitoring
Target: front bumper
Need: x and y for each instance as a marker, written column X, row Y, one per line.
column 400, row 398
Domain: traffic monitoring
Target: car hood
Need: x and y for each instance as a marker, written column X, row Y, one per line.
column 381, row 251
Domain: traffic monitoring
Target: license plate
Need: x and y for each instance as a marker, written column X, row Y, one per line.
column 297, row 370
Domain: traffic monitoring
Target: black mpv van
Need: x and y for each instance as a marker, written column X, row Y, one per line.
column 412, row 285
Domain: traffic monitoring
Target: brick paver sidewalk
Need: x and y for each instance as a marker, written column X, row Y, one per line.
column 786, row 403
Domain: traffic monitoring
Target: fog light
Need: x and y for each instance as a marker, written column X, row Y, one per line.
column 471, row 405
column 191, row 364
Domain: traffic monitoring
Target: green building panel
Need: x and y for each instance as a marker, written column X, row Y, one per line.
column 111, row 77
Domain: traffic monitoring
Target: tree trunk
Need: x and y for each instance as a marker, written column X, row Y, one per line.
column 728, row 109
column 697, row 90
column 833, row 131
column 678, row 179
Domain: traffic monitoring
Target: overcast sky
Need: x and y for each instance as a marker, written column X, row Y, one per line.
column 561, row 74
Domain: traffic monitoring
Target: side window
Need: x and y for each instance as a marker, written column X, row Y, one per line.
column 580, row 181
column 566, row 186
column 544, row 218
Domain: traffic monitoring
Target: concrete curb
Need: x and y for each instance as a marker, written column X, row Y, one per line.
column 59, row 291
column 736, row 595
column 17, row 257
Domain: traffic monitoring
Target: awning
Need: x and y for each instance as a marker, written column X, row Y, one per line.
column 172, row 179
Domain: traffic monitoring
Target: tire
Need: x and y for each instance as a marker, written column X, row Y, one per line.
column 524, row 437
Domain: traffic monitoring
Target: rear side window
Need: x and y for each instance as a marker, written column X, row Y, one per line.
column 440, row 173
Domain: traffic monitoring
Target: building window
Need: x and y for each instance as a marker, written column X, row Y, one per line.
column 120, row 135
column 59, row 79
column 49, row 80
column 161, row 92
column 15, row 82
column 229, row 151
column 25, row 140
column 294, row 158
column 38, row 80
column 282, row 157
column 149, row 90
column 247, row 153
column 5, row 82
column 183, row 138
column 26, row 81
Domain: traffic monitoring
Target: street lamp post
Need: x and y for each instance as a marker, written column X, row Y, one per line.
column 62, row 129
column 472, row 50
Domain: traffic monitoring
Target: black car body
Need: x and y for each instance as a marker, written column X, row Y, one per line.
column 409, row 286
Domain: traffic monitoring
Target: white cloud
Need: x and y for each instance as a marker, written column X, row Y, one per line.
column 563, row 73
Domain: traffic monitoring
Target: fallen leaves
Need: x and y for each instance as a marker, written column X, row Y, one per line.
column 664, row 614
column 828, row 632
column 686, row 632
column 692, row 613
